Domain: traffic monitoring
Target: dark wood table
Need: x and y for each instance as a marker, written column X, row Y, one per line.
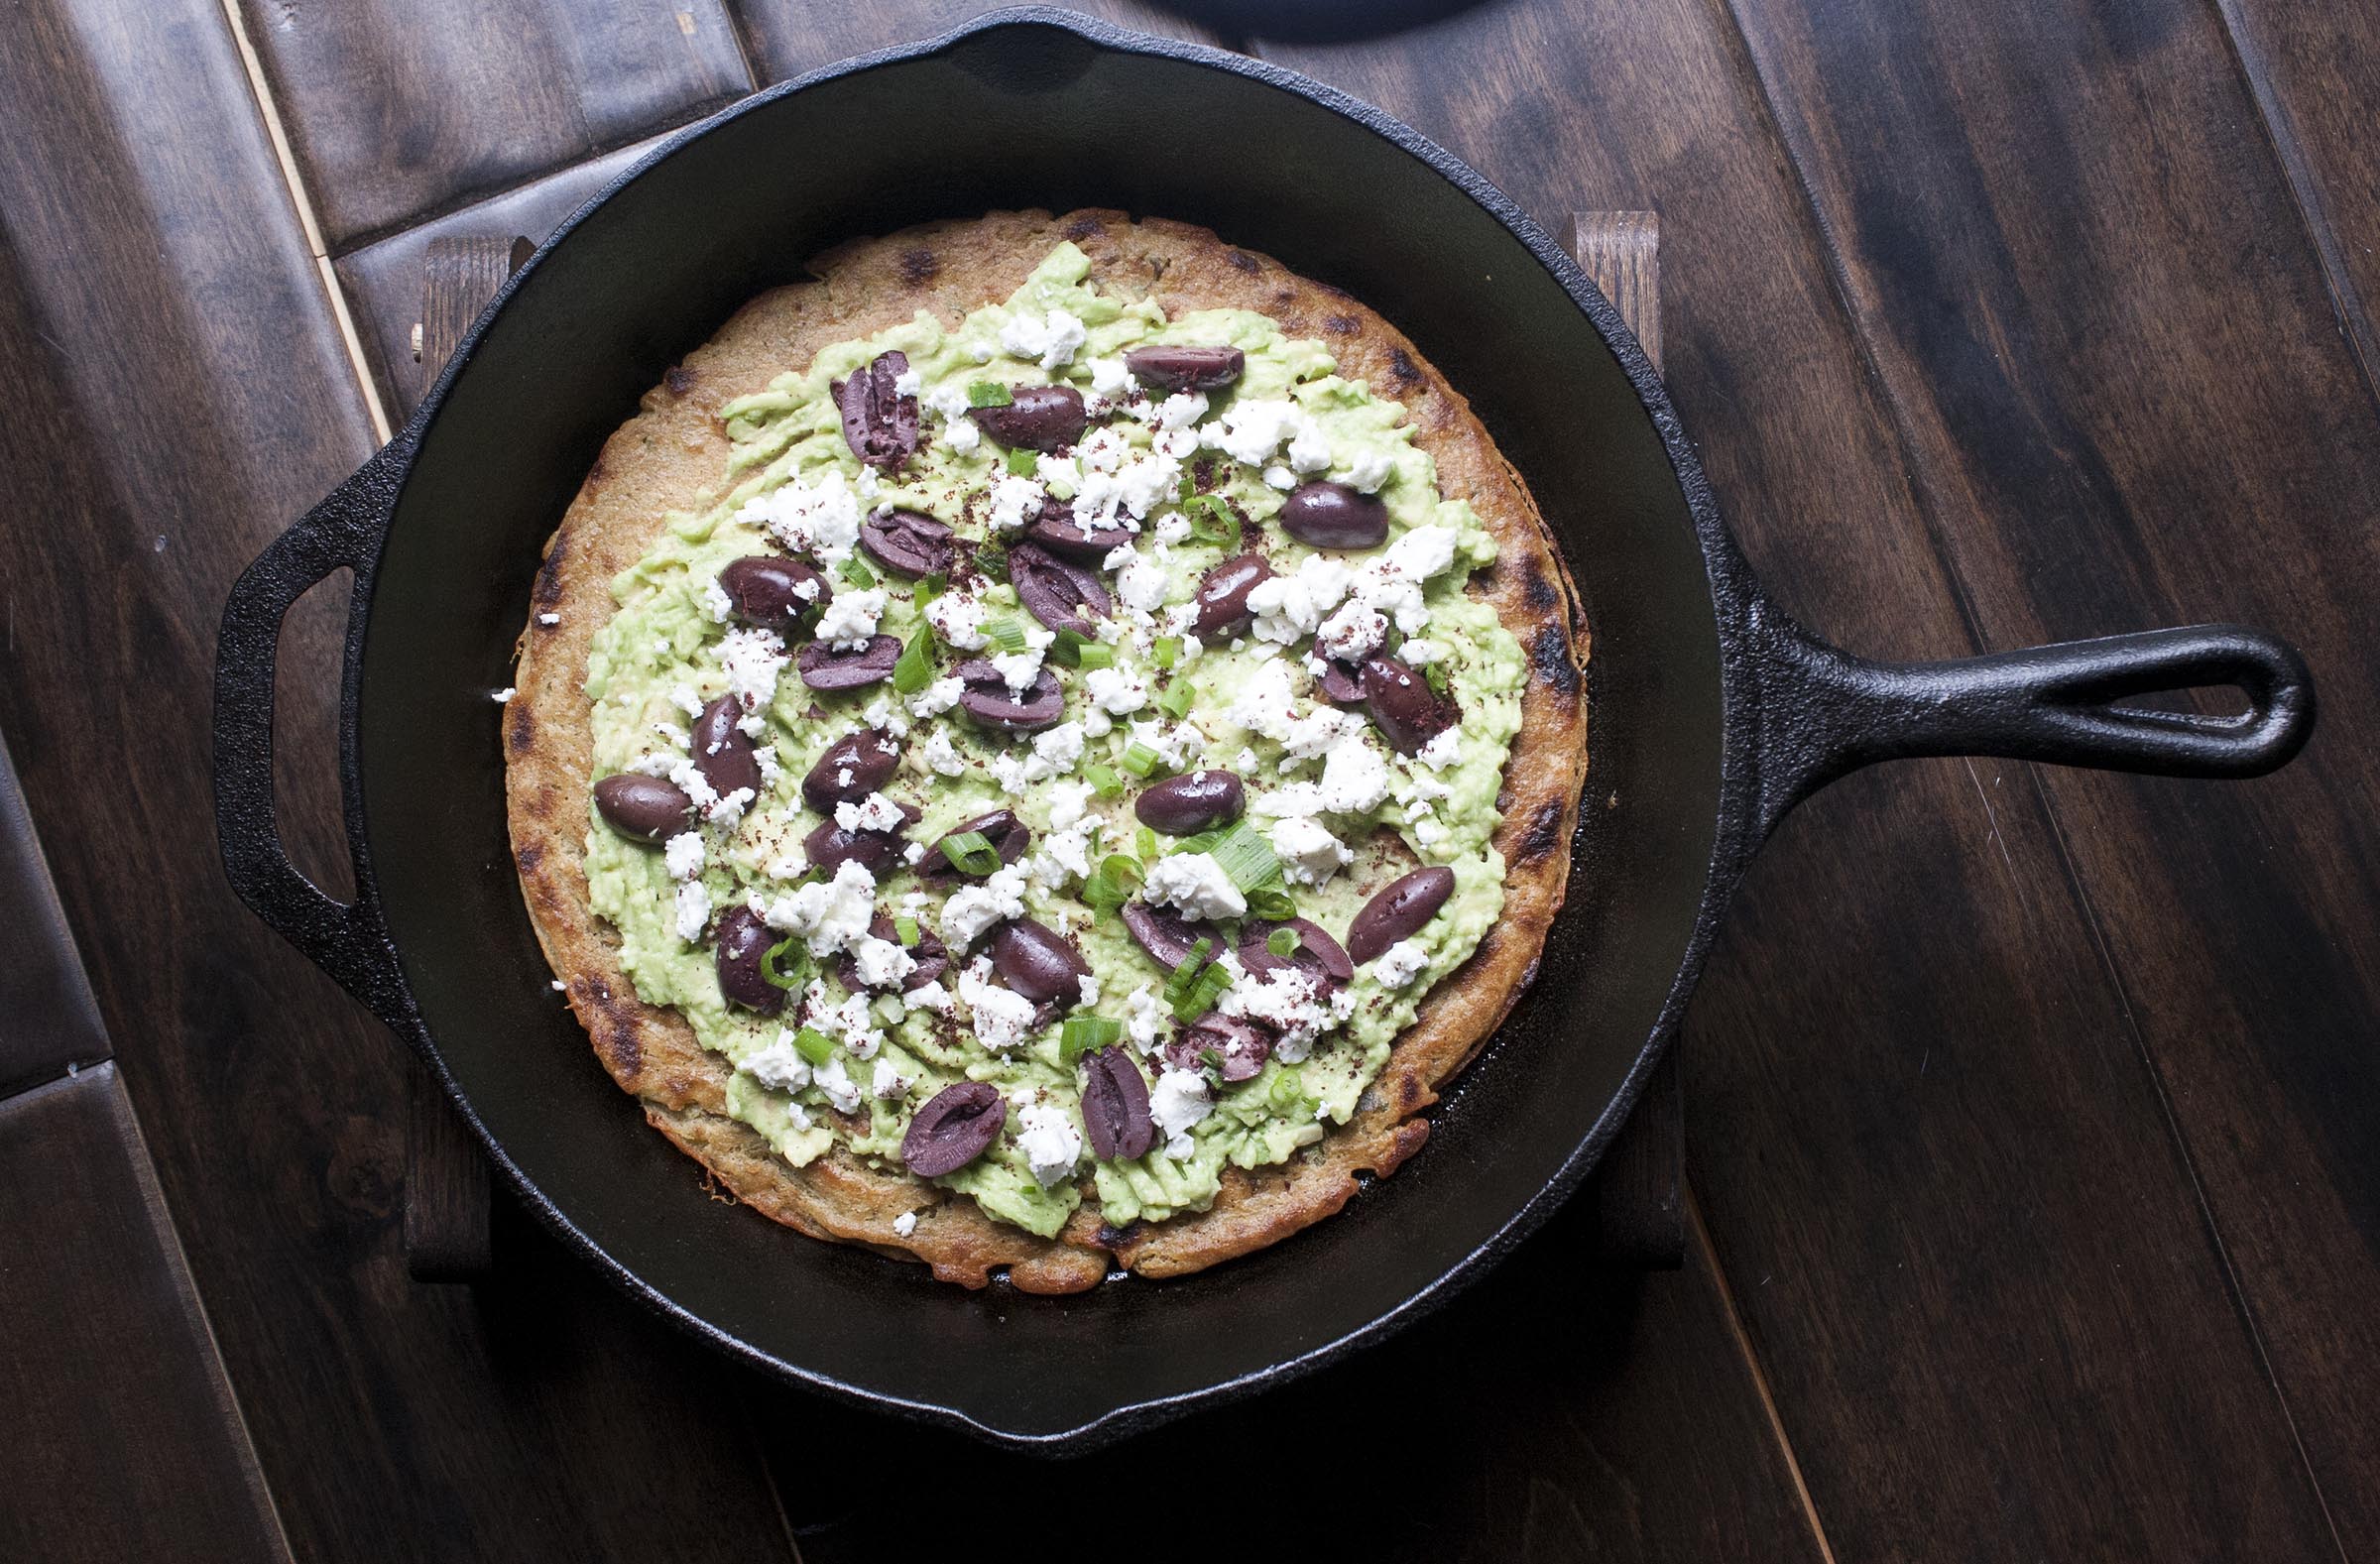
column 2031, row 1161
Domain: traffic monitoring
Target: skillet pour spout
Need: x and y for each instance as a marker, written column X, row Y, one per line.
column 1711, row 712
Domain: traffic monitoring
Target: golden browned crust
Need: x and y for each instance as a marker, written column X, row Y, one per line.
column 677, row 448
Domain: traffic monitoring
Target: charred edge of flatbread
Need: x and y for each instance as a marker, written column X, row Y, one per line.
column 677, row 448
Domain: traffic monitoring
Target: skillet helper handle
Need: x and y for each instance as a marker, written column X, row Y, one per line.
column 345, row 940
column 1826, row 712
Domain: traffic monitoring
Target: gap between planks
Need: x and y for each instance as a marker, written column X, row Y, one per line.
column 262, row 93
column 1699, row 1235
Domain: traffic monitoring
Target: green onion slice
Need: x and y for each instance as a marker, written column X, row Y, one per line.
column 1282, row 942
column 1245, row 856
column 785, row 964
column 1175, row 702
column 989, row 394
column 1103, row 779
column 1009, row 632
column 915, row 669
column 1139, row 759
column 1082, row 1033
column 1096, row 655
column 1146, row 840
column 1024, row 463
column 992, row 561
column 929, row 588
column 904, row 928
column 1436, row 675
column 1165, row 651
column 1067, row 650
column 971, row 853
column 1201, row 995
column 1272, row 903
column 855, row 573
column 814, row 1044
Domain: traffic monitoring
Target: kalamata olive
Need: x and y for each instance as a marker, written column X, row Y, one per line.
column 1192, row 801
column 1007, row 835
column 743, row 941
column 773, row 593
column 830, row 846
column 1241, row 1047
column 1398, row 913
column 880, row 425
column 1223, row 595
column 852, row 766
column 1165, row 934
column 929, row 953
column 824, row 667
column 1038, row 417
column 1325, row 515
column 1408, row 713
column 1186, row 368
column 645, row 807
column 721, row 752
column 1057, row 591
column 988, row 699
column 1317, row 954
column 1038, row 961
column 1115, row 1106
column 906, row 542
column 1339, row 684
column 953, row 1129
column 1055, row 529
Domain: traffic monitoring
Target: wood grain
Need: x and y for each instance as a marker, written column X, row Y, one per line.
column 121, row 1439
column 194, row 397
column 383, row 280
column 398, row 109
column 2315, row 73
column 785, row 38
column 1561, row 1409
column 1945, row 1196
column 2119, row 366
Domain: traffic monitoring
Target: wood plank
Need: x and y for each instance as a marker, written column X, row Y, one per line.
column 122, row 1438
column 1562, row 1410
column 395, row 112
column 1945, row 1194
column 49, row 1022
column 785, row 38
column 2116, row 354
column 194, row 397
column 383, row 280
column 2315, row 73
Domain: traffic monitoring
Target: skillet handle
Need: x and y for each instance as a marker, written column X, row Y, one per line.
column 1826, row 712
column 348, row 941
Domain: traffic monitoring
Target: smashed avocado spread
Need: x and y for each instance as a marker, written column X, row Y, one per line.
column 1061, row 754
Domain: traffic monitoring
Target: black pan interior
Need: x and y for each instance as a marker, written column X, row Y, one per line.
column 1031, row 115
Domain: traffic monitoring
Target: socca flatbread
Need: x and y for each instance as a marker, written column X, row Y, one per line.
column 675, row 461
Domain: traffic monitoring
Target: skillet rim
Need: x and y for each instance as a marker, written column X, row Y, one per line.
column 1734, row 601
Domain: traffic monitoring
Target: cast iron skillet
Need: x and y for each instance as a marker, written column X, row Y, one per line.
column 1712, row 712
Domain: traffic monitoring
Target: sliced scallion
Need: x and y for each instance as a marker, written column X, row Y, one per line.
column 1096, row 655
column 1009, row 632
column 1272, row 903
column 785, row 964
column 814, row 1044
column 1139, row 759
column 1082, row 1033
column 1022, row 464
column 1177, row 699
column 1103, row 779
column 904, row 928
column 1243, row 853
column 915, row 669
column 1166, row 650
column 971, row 853
column 989, row 394
column 856, row 573
column 1282, row 942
